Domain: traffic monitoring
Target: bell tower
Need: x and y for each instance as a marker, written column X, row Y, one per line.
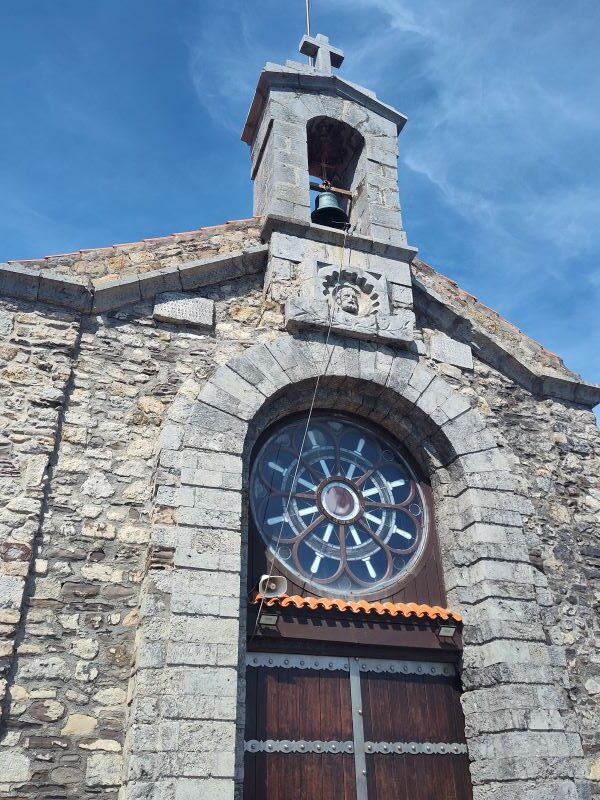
column 309, row 129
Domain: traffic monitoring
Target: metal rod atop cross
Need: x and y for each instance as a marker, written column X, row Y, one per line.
column 311, row 59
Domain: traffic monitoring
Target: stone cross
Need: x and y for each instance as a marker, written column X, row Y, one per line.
column 327, row 56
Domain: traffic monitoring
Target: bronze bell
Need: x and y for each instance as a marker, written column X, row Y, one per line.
column 328, row 212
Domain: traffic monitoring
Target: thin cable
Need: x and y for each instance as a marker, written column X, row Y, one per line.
column 320, row 374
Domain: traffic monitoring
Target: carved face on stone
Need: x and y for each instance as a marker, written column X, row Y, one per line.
column 354, row 291
column 347, row 298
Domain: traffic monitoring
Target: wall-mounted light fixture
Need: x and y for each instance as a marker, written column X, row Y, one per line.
column 446, row 630
column 268, row 620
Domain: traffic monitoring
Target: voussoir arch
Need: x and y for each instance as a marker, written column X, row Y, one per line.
column 200, row 513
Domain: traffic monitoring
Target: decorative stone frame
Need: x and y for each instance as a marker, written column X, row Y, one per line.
column 187, row 693
column 374, row 321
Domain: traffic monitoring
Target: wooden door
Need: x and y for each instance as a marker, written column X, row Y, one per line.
column 339, row 728
column 414, row 737
column 298, row 729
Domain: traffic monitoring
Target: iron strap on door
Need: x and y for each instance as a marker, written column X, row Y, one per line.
column 360, row 761
column 299, row 661
column 353, row 666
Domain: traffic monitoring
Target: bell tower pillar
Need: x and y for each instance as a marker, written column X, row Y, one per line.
column 306, row 124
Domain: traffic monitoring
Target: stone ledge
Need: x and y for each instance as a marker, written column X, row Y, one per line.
column 101, row 295
column 319, row 233
column 393, row 330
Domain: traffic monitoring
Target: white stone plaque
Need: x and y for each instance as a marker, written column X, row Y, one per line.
column 182, row 308
column 447, row 350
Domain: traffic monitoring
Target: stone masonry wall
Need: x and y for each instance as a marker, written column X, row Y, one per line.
column 103, row 385
column 557, row 449
column 138, row 258
column 83, row 403
column 37, row 348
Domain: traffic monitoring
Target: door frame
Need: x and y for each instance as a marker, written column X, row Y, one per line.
column 354, row 666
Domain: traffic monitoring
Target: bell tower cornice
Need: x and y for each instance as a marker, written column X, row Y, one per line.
column 296, row 77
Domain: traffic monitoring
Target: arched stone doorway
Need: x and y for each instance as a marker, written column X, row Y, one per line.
column 196, row 613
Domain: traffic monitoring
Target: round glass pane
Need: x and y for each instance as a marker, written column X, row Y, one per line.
column 337, row 505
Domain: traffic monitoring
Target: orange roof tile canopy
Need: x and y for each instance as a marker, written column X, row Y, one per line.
column 406, row 610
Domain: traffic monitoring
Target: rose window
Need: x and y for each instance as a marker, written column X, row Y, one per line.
column 337, row 506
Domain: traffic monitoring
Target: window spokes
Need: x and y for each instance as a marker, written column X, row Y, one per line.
column 337, row 506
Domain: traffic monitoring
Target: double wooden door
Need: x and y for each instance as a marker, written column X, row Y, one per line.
column 346, row 728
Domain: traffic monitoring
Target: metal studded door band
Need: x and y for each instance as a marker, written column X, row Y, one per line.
column 416, row 748
column 289, row 661
column 317, row 746
column 300, row 746
column 297, row 661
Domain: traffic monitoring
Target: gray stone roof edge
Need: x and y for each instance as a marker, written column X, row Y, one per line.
column 539, row 381
column 319, row 233
column 276, row 76
column 99, row 295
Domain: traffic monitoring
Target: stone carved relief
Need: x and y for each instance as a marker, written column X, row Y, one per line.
column 354, row 303
column 347, row 298
column 352, row 291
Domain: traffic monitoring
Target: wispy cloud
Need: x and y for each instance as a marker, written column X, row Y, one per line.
column 225, row 58
column 503, row 128
column 505, row 116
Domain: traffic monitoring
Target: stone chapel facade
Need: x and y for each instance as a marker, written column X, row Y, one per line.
column 155, row 431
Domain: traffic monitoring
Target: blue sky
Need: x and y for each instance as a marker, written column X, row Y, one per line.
column 121, row 120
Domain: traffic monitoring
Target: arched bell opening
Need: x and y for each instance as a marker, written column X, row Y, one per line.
column 334, row 156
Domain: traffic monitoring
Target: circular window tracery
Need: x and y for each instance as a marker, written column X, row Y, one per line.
column 337, row 505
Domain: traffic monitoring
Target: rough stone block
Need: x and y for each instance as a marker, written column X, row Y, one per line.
column 520, row 743
column 254, row 259
column 11, row 589
column 159, row 280
column 113, row 293
column 216, row 421
column 197, row 788
column 182, row 308
column 14, row 767
column 261, row 370
column 447, row 350
column 103, row 769
column 526, row 790
column 209, row 516
column 294, row 359
column 210, row 681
